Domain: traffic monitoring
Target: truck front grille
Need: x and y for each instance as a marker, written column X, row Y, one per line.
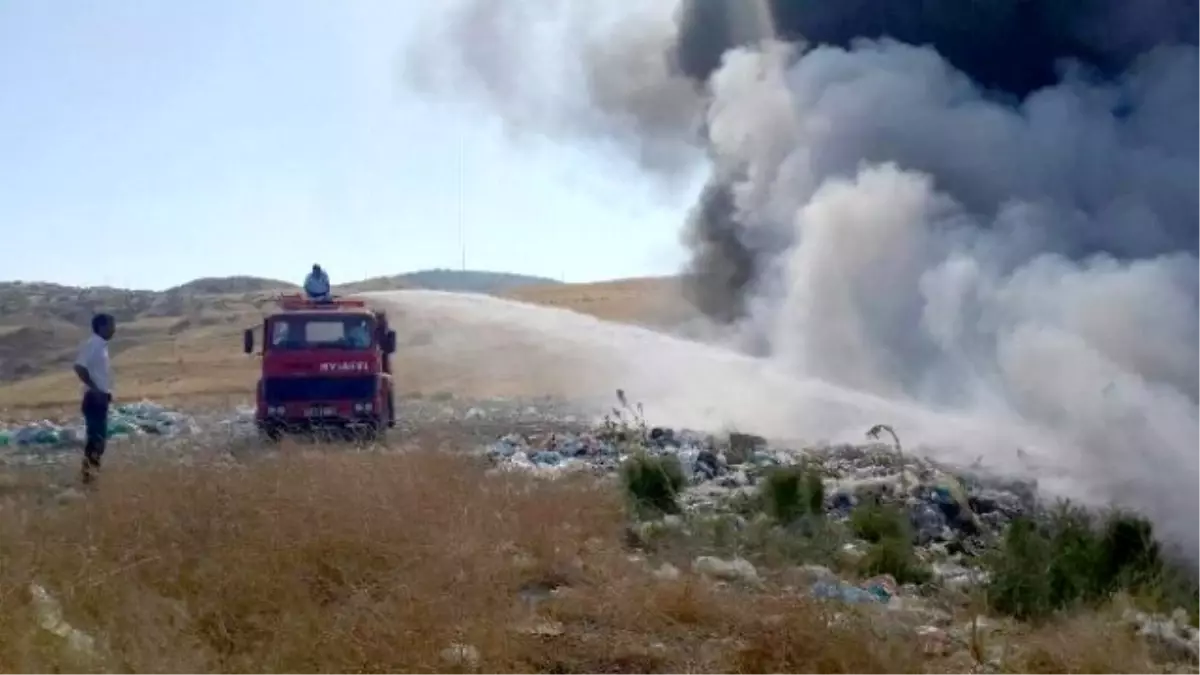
column 320, row 389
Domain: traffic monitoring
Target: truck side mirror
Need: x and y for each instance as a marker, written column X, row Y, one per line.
column 248, row 341
column 389, row 342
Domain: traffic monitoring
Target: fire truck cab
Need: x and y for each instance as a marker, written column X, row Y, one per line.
column 325, row 364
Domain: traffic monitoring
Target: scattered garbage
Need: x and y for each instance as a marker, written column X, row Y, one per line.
column 1172, row 633
column 844, row 592
column 958, row 577
column 943, row 506
column 50, row 618
column 881, row 589
column 124, row 420
column 553, row 453
column 953, row 513
column 460, row 655
column 725, row 570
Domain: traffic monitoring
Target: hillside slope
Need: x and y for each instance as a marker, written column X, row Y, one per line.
column 459, row 281
column 228, row 285
column 176, row 344
column 42, row 323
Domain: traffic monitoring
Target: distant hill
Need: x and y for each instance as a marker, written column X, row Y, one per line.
column 458, row 281
column 227, row 285
column 182, row 345
column 41, row 324
column 70, row 304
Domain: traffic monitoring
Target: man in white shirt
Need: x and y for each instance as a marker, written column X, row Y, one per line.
column 316, row 284
column 91, row 365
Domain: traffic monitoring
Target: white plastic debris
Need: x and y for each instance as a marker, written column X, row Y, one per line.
column 50, row 618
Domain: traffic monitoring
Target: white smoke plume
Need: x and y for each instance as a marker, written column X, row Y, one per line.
column 913, row 225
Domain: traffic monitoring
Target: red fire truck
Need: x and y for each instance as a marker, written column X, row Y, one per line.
column 325, row 365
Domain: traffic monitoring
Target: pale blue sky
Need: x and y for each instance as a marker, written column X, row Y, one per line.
column 146, row 143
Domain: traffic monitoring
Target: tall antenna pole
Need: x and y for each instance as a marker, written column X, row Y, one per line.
column 462, row 239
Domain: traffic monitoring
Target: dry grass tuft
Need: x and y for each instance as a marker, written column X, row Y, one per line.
column 327, row 561
column 1083, row 644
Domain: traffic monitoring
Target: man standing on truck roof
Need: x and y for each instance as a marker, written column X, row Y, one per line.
column 316, row 284
column 92, row 367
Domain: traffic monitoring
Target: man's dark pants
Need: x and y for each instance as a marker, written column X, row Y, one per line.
column 95, row 419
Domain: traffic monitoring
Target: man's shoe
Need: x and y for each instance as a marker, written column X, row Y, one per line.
column 89, row 471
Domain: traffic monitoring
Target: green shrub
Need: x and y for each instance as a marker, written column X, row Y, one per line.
column 891, row 551
column 1019, row 585
column 793, row 491
column 814, row 491
column 875, row 522
column 1068, row 558
column 653, row 483
column 1129, row 555
column 894, row 556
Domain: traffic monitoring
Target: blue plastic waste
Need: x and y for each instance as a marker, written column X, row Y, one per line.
column 834, row 590
column 546, row 458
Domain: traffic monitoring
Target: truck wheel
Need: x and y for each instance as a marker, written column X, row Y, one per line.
column 376, row 430
column 369, row 431
column 270, row 433
column 391, row 409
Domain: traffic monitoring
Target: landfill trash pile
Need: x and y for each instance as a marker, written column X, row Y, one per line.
column 412, row 411
column 124, row 420
column 944, row 504
column 955, row 516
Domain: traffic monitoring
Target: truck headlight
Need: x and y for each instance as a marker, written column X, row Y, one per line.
column 363, row 407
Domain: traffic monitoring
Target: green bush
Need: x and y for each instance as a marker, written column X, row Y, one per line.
column 1020, row 584
column 653, row 483
column 814, row 491
column 891, row 551
column 894, row 556
column 1129, row 555
column 793, row 491
column 1067, row 558
column 875, row 522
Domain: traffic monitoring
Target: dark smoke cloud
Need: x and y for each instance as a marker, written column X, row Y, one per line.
column 984, row 205
column 1014, row 46
column 1008, row 48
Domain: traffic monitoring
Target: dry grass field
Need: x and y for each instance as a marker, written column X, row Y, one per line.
column 328, row 561
column 647, row 301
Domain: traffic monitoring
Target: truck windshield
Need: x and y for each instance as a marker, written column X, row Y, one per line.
column 348, row 332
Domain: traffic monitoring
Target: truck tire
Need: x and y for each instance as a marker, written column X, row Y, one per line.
column 271, row 433
column 374, row 430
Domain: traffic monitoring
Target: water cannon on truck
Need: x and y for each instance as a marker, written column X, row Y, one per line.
column 326, row 365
